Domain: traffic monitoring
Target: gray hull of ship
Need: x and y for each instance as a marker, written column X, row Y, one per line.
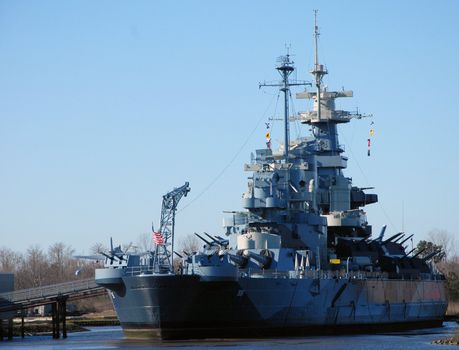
column 173, row 307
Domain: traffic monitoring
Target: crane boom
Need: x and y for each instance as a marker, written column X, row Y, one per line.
column 163, row 258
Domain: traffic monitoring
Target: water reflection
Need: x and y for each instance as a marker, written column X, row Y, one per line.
column 112, row 338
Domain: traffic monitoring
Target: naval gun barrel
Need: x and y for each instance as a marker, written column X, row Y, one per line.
column 203, row 239
column 381, row 234
column 112, row 256
column 412, row 250
column 431, row 255
column 212, row 238
column 239, row 260
column 218, row 240
column 262, row 260
column 392, row 238
column 418, row 253
column 399, row 238
column 407, row 238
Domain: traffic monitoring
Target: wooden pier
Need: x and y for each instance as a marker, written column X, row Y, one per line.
column 57, row 295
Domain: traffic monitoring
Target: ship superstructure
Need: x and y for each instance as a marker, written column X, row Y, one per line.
column 303, row 259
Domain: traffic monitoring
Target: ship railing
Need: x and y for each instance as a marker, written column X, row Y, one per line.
column 139, row 270
column 312, row 274
column 295, row 274
column 351, row 275
column 256, row 273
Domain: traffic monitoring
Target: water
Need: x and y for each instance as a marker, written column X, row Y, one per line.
column 112, row 338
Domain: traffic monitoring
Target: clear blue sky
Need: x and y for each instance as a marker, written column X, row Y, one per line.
column 107, row 105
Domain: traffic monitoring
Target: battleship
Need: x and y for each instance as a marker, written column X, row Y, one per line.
column 299, row 259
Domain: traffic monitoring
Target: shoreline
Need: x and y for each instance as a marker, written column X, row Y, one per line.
column 454, row 340
column 43, row 325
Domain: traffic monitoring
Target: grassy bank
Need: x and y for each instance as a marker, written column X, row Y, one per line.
column 454, row 340
column 452, row 314
column 96, row 321
column 43, row 325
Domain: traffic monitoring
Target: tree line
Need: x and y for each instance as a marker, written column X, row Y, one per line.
column 37, row 267
column 446, row 261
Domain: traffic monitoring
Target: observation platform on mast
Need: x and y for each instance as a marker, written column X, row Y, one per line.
column 327, row 108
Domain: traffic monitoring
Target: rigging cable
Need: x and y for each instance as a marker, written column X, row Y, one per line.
column 217, row 177
column 297, row 127
column 368, row 183
column 273, row 119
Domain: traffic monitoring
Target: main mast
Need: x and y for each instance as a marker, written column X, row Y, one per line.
column 319, row 70
column 285, row 69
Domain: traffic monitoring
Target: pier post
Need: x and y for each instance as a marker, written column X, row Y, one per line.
column 63, row 315
column 55, row 320
column 1, row 329
column 58, row 331
column 10, row 329
column 22, row 323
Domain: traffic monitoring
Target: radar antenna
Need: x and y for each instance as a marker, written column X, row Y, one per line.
column 285, row 68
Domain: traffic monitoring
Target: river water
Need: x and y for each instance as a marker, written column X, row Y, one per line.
column 100, row 338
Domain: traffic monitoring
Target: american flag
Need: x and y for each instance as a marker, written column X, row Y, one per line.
column 158, row 238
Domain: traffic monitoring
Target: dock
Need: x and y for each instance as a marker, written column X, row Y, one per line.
column 56, row 295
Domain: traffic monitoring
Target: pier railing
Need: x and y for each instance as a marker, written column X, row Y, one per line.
column 31, row 297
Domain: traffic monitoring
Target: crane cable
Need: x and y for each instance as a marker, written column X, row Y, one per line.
column 241, row 148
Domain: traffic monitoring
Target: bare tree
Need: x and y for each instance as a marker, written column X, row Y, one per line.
column 9, row 260
column 33, row 271
column 448, row 261
column 98, row 248
column 145, row 242
column 444, row 239
column 126, row 247
column 35, row 268
column 60, row 258
column 189, row 244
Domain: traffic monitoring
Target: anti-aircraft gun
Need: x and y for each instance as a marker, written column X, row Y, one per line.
column 386, row 255
column 115, row 255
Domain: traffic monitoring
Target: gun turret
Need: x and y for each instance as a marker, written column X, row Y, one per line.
column 114, row 253
column 264, row 261
column 239, row 259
